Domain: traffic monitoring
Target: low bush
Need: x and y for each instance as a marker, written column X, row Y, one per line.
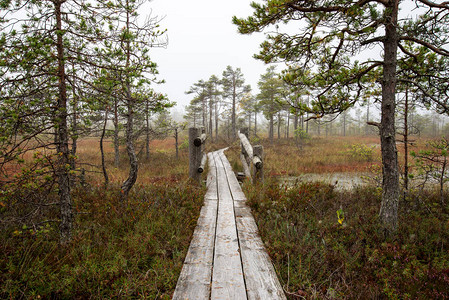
column 135, row 252
column 326, row 244
column 362, row 152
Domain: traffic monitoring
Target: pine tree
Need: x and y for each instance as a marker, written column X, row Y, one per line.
column 320, row 58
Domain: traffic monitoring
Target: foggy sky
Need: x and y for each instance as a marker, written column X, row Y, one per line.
column 202, row 42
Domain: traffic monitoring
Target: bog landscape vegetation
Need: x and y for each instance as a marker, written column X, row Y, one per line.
column 95, row 198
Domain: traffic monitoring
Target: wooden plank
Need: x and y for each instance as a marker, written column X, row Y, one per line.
column 226, row 258
column 227, row 276
column 196, row 274
column 236, row 190
column 260, row 277
column 211, row 182
column 203, row 238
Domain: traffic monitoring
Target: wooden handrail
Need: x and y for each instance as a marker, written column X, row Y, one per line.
column 252, row 158
column 203, row 163
column 246, row 145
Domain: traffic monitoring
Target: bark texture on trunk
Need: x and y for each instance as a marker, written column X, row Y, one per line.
column 74, row 135
column 211, row 119
column 65, row 200
column 388, row 214
column 129, row 135
column 103, row 164
column 216, row 120
column 133, row 165
column 406, row 144
column 147, row 131
column 116, row 137
column 176, row 142
column 279, row 125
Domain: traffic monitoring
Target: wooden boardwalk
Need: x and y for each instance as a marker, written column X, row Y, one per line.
column 226, row 258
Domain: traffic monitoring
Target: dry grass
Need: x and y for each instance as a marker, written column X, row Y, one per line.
column 161, row 165
column 320, row 155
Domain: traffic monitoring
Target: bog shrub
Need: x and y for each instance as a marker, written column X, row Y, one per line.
column 362, row 152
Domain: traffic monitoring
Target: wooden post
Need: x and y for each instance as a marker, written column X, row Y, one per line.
column 194, row 153
column 258, row 164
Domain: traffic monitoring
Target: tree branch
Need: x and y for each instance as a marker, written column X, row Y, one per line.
column 444, row 5
column 378, row 125
column 379, row 39
column 440, row 51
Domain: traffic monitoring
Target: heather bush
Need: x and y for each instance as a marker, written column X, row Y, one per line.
column 327, row 244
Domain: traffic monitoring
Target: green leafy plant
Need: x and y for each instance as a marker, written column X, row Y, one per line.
column 301, row 137
column 361, row 152
column 340, row 216
column 184, row 145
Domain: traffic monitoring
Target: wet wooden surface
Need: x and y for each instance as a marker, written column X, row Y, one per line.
column 226, row 258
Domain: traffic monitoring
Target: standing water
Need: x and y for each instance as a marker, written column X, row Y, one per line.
column 342, row 181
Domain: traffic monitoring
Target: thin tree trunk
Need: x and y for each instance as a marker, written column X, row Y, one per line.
column 176, row 143
column 406, row 143
column 216, row 120
column 234, row 96
column 103, row 164
column 442, row 176
column 133, row 166
column 307, row 123
column 255, row 123
column 288, row 124
column 210, row 119
column 295, row 126
column 367, row 120
column 249, row 125
column 388, row 214
column 204, row 106
column 147, row 131
column 271, row 133
column 116, row 136
column 279, row 125
column 74, row 133
column 65, row 200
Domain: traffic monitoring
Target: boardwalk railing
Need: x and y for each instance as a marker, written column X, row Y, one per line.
column 251, row 157
column 197, row 157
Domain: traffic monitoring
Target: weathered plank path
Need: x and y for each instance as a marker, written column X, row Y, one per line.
column 226, row 258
